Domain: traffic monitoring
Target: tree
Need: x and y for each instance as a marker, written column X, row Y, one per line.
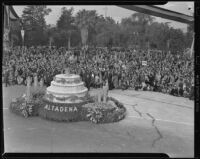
column 106, row 31
column 85, row 20
column 142, row 21
column 177, row 41
column 159, row 35
column 66, row 23
column 33, row 18
column 128, row 30
column 15, row 33
column 189, row 35
column 51, row 31
column 14, row 39
column 137, row 23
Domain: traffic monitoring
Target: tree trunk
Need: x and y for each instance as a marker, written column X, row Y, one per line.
column 148, row 48
column 69, row 42
column 50, row 42
column 84, row 35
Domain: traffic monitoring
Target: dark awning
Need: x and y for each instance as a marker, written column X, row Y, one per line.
column 13, row 14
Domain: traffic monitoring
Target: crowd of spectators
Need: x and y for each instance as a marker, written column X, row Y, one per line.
column 123, row 68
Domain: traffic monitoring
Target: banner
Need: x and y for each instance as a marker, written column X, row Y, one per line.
column 144, row 63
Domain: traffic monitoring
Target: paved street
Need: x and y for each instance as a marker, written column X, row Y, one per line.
column 155, row 122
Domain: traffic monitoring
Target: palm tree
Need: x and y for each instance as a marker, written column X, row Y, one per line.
column 70, row 32
column 84, row 20
column 50, row 33
column 66, row 24
column 141, row 22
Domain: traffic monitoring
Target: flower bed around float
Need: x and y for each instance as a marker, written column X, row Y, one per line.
column 89, row 110
column 21, row 107
column 109, row 112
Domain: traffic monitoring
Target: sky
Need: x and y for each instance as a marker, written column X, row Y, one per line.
column 117, row 13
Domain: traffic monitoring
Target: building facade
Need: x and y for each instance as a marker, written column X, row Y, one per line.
column 11, row 27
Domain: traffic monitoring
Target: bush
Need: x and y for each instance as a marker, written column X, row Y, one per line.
column 104, row 112
column 24, row 108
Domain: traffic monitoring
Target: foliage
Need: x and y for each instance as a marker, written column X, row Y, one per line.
column 106, row 31
column 105, row 112
column 34, row 24
column 23, row 108
column 38, row 95
column 177, row 41
column 85, row 21
column 135, row 28
column 15, row 33
column 66, row 24
column 94, row 115
column 87, row 27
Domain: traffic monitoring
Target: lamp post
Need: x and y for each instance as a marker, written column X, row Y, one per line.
column 135, row 37
column 191, row 9
column 168, row 46
column 192, row 46
column 22, row 33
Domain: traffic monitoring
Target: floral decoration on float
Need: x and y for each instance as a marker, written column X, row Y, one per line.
column 105, row 112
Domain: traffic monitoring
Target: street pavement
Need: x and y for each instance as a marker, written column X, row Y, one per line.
column 154, row 123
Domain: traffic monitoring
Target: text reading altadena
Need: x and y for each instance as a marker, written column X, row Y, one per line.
column 60, row 108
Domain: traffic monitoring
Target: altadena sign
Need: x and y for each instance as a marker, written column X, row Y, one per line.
column 60, row 108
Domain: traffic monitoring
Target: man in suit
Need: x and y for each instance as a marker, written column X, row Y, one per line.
column 191, row 96
column 88, row 79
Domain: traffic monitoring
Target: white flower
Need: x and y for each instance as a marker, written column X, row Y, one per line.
column 88, row 115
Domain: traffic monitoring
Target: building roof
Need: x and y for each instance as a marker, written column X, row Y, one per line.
column 13, row 14
column 160, row 12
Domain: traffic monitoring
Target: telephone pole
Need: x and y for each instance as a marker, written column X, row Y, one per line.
column 105, row 11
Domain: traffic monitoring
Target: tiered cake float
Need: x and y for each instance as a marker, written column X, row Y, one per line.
column 66, row 88
column 64, row 98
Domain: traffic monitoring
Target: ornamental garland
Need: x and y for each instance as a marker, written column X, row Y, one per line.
column 71, row 98
column 63, row 81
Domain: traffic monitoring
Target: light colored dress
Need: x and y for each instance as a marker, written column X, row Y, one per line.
column 115, row 80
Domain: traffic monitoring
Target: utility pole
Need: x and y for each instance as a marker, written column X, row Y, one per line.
column 191, row 9
column 106, row 8
column 192, row 47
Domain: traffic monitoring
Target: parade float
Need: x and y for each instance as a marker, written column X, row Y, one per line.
column 67, row 99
